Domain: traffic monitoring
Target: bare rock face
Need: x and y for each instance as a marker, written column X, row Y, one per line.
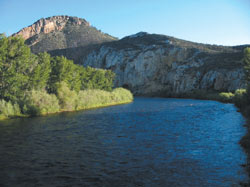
column 160, row 65
column 47, row 25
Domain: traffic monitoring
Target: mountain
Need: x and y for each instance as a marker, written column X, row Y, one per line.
column 159, row 65
column 60, row 32
column 147, row 64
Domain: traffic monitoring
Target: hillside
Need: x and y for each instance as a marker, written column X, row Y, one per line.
column 60, row 32
column 147, row 64
column 141, row 40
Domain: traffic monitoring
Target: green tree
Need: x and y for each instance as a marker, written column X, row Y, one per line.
column 92, row 78
column 109, row 80
column 41, row 72
column 15, row 66
column 64, row 70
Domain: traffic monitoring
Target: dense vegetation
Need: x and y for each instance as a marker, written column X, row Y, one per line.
column 40, row 84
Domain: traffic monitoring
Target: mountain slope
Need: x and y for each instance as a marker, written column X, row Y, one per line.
column 60, row 32
column 151, row 64
column 147, row 64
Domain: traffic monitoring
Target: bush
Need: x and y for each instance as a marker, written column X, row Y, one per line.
column 39, row 103
column 226, row 97
column 97, row 98
column 122, row 95
column 7, row 109
column 67, row 98
column 92, row 98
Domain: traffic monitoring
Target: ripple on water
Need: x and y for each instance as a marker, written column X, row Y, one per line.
column 150, row 142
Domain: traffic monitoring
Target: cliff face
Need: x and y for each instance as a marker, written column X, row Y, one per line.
column 60, row 32
column 160, row 65
column 147, row 64
column 55, row 23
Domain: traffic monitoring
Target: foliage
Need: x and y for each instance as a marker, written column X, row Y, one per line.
column 226, row 97
column 39, row 103
column 92, row 78
column 78, row 77
column 122, row 94
column 41, row 84
column 7, row 109
column 41, row 72
column 20, row 70
column 70, row 100
column 92, row 98
column 64, row 70
column 15, row 66
column 67, row 98
column 96, row 98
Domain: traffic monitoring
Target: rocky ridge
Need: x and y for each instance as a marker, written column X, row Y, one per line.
column 60, row 32
column 47, row 25
column 147, row 64
column 159, row 65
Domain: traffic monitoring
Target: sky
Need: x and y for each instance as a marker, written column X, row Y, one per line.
column 221, row 22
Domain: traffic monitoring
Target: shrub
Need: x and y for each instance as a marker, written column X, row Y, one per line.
column 39, row 103
column 91, row 98
column 226, row 97
column 67, row 98
column 122, row 95
column 7, row 109
column 96, row 98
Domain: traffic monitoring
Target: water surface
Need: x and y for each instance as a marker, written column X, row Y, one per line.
column 150, row 142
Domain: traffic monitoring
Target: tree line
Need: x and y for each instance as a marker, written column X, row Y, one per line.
column 21, row 70
column 40, row 84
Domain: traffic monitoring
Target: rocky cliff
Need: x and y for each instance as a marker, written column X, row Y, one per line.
column 147, row 64
column 60, row 32
column 157, row 65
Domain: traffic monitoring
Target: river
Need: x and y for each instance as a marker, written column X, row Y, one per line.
column 150, row 142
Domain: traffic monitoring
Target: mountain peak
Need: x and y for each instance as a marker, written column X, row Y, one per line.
column 60, row 32
column 50, row 24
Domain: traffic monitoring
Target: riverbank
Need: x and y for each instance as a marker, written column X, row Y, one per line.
column 41, row 104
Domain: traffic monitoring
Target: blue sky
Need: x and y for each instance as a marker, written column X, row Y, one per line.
column 222, row 22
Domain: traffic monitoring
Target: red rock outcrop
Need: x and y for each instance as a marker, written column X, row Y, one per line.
column 47, row 25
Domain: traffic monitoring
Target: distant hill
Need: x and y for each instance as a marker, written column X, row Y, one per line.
column 139, row 41
column 156, row 65
column 61, row 32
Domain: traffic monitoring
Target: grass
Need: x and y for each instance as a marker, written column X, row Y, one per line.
column 99, row 98
column 37, row 103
